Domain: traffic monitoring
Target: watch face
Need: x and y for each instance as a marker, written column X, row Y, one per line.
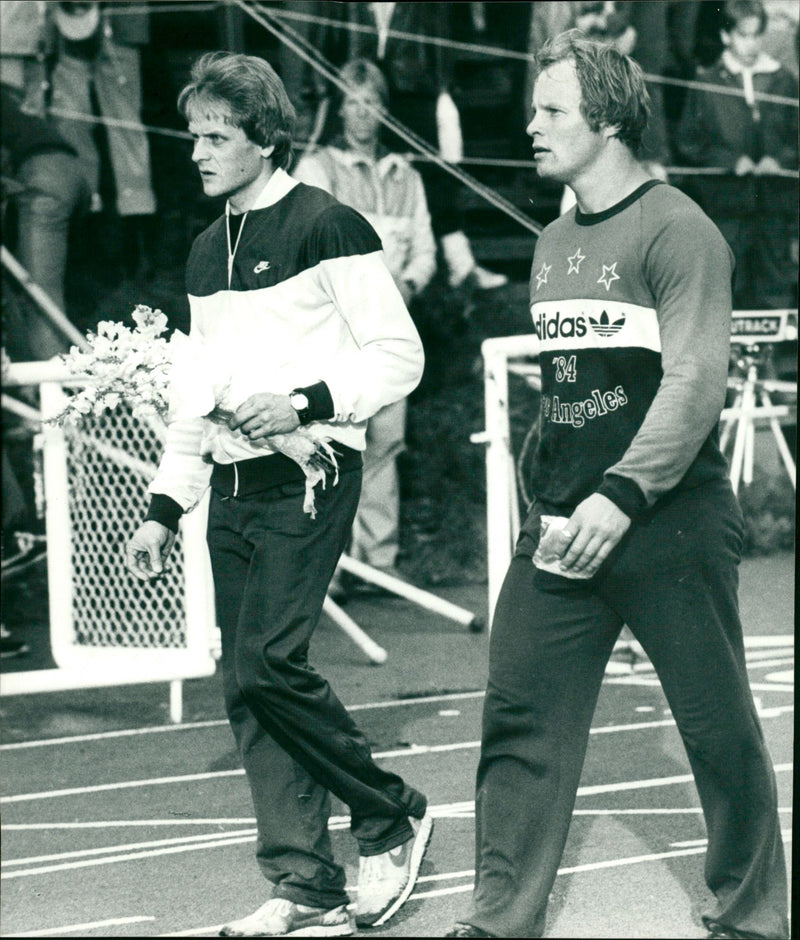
column 299, row 402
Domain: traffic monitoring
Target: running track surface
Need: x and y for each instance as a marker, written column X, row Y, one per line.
column 150, row 832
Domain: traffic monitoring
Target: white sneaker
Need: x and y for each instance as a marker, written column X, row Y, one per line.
column 385, row 881
column 280, row 917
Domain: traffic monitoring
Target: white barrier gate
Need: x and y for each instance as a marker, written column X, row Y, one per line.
column 106, row 627
column 501, row 355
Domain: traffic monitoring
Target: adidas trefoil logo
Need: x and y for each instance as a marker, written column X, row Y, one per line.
column 603, row 325
column 261, row 266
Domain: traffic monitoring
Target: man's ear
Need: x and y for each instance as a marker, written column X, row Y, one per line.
column 725, row 37
column 610, row 130
column 266, row 152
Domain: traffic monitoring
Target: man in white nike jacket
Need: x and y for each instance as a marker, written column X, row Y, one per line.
column 290, row 294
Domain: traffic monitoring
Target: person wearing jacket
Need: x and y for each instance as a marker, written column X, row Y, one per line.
column 303, row 322
column 401, row 39
column 753, row 140
column 383, row 186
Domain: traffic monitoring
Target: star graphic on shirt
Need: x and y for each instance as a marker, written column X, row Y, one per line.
column 575, row 262
column 609, row 275
column 541, row 277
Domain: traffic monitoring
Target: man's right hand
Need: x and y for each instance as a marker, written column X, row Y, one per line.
column 148, row 549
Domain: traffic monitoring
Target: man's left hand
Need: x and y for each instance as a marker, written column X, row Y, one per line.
column 263, row 415
column 592, row 531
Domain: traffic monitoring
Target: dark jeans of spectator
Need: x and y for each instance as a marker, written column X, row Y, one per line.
column 765, row 276
column 442, row 190
column 55, row 192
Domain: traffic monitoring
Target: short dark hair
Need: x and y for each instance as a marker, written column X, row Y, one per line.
column 253, row 93
column 360, row 72
column 734, row 11
column 613, row 90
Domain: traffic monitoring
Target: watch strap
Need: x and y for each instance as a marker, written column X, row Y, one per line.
column 320, row 402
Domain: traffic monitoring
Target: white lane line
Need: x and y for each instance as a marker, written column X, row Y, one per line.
column 131, row 823
column 81, row 928
column 754, row 655
column 787, row 676
column 633, row 726
column 652, row 811
column 123, row 785
column 113, row 859
column 774, row 661
column 653, row 782
column 109, row 735
column 335, row 820
column 463, row 809
column 783, row 642
column 415, row 750
column 653, row 682
column 223, row 722
column 765, row 641
column 786, row 835
column 460, row 810
column 125, row 847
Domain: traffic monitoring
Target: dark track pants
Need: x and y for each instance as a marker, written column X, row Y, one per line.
column 674, row 581
column 272, row 564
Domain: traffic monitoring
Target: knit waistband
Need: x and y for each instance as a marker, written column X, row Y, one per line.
column 247, row 477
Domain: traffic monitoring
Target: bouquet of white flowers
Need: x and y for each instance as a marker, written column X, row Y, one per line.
column 169, row 379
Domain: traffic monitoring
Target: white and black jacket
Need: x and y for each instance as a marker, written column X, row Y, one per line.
column 310, row 304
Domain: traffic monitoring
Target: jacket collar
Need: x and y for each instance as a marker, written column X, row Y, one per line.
column 384, row 158
column 764, row 64
column 277, row 186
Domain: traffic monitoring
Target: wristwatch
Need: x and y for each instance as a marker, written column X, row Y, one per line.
column 299, row 401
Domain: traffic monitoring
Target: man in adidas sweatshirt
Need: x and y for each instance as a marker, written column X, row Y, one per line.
column 633, row 522
column 290, row 293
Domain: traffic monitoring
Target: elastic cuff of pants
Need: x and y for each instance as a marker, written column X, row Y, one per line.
column 400, row 836
column 310, row 898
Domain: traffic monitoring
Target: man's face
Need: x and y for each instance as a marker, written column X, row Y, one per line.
column 563, row 143
column 230, row 164
column 744, row 40
column 361, row 124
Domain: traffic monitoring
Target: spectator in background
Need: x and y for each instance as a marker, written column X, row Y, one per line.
column 47, row 192
column 652, row 50
column 419, row 79
column 383, row 186
column 96, row 72
column 753, row 140
column 22, row 49
column 781, row 34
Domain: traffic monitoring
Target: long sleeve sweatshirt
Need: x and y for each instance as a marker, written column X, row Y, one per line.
column 633, row 308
